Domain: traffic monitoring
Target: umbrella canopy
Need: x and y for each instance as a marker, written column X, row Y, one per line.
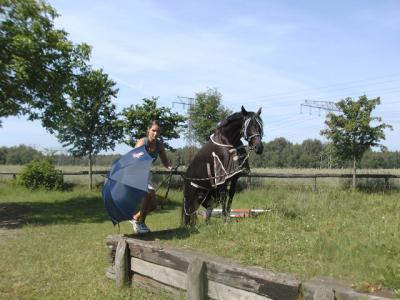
column 126, row 184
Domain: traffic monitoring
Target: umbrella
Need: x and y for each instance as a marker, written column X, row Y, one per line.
column 126, row 184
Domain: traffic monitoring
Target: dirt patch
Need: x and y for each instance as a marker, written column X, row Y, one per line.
column 11, row 220
column 11, row 216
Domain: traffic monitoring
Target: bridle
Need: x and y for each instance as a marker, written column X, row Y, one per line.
column 245, row 126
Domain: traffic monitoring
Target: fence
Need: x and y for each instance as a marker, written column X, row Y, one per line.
column 203, row 276
column 248, row 177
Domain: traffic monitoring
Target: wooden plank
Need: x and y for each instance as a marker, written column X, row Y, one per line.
column 162, row 274
column 195, row 280
column 224, row 271
column 110, row 273
column 155, row 286
column 254, row 279
column 121, row 266
column 223, row 292
column 157, row 255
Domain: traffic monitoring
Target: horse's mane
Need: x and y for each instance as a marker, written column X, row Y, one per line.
column 236, row 116
column 233, row 117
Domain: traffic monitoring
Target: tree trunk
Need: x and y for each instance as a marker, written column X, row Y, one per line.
column 354, row 173
column 90, row 172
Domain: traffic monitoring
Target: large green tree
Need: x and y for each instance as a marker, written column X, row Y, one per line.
column 354, row 130
column 90, row 124
column 137, row 117
column 37, row 61
column 205, row 114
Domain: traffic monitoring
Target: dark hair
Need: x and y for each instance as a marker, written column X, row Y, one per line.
column 154, row 122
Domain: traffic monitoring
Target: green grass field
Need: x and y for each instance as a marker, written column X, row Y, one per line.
column 59, row 251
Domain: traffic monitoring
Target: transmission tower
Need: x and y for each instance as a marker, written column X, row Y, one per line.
column 324, row 105
column 187, row 103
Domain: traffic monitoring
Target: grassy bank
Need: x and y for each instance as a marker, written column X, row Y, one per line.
column 59, row 250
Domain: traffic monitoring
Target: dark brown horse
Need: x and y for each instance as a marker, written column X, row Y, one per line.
column 219, row 164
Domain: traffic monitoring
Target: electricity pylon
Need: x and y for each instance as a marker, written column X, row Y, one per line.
column 324, row 105
column 187, row 103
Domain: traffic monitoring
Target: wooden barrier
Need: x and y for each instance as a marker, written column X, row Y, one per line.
column 204, row 276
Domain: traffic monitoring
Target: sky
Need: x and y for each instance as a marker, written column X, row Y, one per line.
column 269, row 54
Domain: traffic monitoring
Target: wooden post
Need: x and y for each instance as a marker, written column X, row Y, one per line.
column 122, row 264
column 314, row 183
column 196, row 280
column 387, row 185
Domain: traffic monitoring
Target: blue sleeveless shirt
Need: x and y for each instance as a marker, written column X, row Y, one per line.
column 155, row 153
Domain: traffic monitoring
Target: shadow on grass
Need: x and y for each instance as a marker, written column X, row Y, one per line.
column 82, row 209
column 75, row 210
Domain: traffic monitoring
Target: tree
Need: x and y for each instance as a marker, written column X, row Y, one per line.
column 205, row 114
column 310, row 153
column 351, row 132
column 137, row 117
column 90, row 124
column 277, row 152
column 37, row 61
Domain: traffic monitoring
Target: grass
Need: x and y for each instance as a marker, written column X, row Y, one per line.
column 347, row 235
column 59, row 252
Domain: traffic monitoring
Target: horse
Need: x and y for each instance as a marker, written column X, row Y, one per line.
column 219, row 163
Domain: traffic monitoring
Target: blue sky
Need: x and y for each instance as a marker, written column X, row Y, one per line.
column 269, row 54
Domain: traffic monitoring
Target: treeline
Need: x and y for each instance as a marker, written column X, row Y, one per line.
column 279, row 153
column 312, row 153
column 22, row 154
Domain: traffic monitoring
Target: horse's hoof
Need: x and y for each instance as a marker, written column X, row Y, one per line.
column 227, row 219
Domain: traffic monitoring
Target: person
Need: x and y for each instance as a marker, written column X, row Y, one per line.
column 155, row 148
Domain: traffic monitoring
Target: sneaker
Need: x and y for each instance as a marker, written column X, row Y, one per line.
column 139, row 227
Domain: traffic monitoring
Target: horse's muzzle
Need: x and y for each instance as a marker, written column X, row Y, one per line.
column 257, row 145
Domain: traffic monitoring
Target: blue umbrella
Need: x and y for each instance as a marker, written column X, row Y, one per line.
column 126, row 184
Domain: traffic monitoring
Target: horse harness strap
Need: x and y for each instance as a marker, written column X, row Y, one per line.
column 221, row 173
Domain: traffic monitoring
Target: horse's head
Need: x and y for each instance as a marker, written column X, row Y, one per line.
column 252, row 130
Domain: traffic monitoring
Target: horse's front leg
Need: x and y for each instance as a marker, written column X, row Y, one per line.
column 222, row 195
column 232, row 190
column 208, row 213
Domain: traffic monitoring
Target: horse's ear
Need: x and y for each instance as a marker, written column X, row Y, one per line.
column 244, row 111
column 258, row 112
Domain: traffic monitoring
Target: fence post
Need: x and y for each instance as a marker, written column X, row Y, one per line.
column 122, row 264
column 314, row 188
column 196, row 281
column 248, row 181
column 387, row 184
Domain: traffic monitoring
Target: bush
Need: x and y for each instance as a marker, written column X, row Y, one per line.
column 41, row 174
